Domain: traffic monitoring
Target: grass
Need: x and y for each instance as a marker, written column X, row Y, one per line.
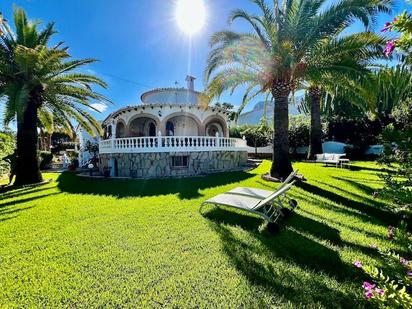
column 84, row 243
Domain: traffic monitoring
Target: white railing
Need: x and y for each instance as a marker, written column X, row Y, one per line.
column 171, row 144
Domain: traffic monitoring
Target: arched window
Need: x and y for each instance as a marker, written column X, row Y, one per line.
column 152, row 129
column 213, row 128
column 170, row 129
column 120, row 130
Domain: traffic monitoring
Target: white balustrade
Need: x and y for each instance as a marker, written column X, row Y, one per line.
column 171, row 144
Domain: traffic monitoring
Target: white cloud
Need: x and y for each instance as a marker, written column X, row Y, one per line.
column 99, row 106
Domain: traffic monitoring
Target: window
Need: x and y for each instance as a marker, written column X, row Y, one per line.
column 170, row 129
column 180, row 161
column 152, row 129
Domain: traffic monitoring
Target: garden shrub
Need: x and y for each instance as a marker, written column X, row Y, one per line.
column 391, row 288
column 359, row 133
column 45, row 158
column 7, row 145
column 256, row 136
column 299, row 130
column 397, row 156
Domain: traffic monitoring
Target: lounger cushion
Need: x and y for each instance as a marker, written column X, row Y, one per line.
column 237, row 201
column 253, row 192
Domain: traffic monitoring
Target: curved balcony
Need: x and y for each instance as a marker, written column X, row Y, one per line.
column 171, row 144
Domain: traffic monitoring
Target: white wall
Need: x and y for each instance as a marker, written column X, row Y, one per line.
column 185, row 126
column 84, row 137
column 175, row 96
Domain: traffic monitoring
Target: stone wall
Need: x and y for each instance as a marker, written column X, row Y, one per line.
column 159, row 165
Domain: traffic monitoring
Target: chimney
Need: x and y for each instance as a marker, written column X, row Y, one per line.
column 190, row 82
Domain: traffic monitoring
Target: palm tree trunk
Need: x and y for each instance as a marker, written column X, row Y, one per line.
column 27, row 166
column 315, row 146
column 281, row 164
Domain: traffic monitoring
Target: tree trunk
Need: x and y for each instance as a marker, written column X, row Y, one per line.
column 27, row 165
column 281, row 165
column 315, row 146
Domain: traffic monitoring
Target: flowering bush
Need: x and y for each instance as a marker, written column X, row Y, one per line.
column 402, row 24
column 394, row 290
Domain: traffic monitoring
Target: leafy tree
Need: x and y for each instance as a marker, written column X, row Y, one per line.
column 93, row 150
column 258, row 136
column 276, row 58
column 299, row 128
column 36, row 79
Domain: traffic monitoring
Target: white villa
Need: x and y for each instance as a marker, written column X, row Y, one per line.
column 173, row 132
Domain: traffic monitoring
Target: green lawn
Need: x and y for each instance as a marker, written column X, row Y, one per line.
column 83, row 243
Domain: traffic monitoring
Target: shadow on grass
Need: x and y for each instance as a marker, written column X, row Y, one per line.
column 366, row 168
column 25, row 200
column 374, row 211
column 364, row 188
column 23, row 191
column 259, row 254
column 7, row 211
column 186, row 188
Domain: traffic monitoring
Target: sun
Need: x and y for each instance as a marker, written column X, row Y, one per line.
column 190, row 15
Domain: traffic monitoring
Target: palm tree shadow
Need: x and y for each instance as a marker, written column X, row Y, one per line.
column 295, row 227
column 256, row 259
column 364, row 188
column 186, row 188
column 371, row 208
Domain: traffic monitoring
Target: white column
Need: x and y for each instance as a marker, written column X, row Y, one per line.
column 114, row 125
column 159, row 139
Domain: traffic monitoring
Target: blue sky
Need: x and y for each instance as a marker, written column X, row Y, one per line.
column 137, row 42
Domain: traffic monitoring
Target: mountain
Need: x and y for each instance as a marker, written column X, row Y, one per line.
column 255, row 115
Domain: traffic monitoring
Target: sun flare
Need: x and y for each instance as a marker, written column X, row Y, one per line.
column 190, row 15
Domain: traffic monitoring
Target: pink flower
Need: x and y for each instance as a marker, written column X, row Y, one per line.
column 379, row 291
column 368, row 294
column 358, row 264
column 368, row 286
column 409, row 273
column 404, row 261
column 390, row 46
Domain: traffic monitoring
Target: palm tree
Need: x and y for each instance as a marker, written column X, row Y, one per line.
column 344, row 61
column 275, row 58
column 36, row 79
column 376, row 95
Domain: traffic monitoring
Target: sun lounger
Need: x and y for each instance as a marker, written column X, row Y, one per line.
column 262, row 194
column 270, row 208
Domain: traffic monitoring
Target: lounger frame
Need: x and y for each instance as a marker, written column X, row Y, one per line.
column 270, row 211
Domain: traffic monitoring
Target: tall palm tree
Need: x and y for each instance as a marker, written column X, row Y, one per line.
column 36, row 79
column 275, row 58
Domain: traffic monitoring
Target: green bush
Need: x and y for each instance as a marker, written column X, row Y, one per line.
column 7, row 145
column 45, row 158
column 299, row 129
column 256, row 135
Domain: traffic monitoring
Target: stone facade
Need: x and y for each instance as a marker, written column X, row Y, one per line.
column 159, row 165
